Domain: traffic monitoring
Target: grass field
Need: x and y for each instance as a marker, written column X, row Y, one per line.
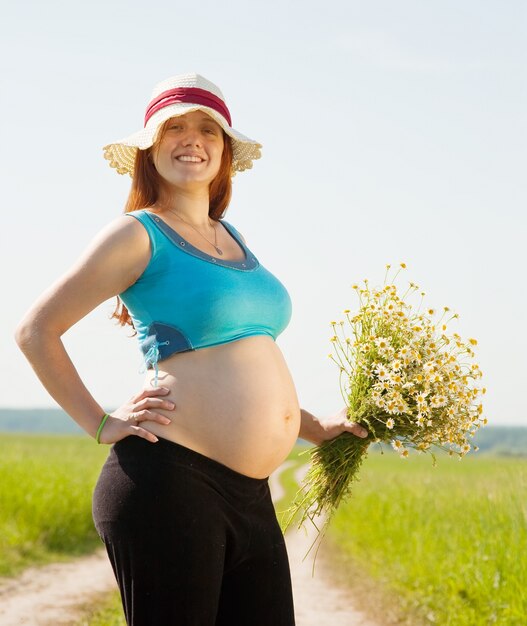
column 447, row 544
column 46, row 485
column 444, row 545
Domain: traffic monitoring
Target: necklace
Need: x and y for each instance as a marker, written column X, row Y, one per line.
column 215, row 244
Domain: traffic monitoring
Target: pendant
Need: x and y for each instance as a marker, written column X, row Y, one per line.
column 218, row 250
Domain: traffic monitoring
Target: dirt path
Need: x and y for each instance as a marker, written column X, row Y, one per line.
column 317, row 601
column 51, row 595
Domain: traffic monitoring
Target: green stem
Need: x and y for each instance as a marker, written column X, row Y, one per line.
column 334, row 468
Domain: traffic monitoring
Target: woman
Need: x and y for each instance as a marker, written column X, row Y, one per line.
column 182, row 503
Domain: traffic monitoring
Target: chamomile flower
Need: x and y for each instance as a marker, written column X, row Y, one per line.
column 404, row 352
column 420, row 398
column 391, row 406
column 382, row 343
column 405, row 377
column 438, row 400
column 382, row 371
column 396, row 379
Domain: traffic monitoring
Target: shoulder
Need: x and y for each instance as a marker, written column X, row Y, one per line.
column 122, row 231
column 142, row 223
column 114, row 257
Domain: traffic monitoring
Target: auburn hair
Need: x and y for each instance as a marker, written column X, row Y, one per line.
column 145, row 191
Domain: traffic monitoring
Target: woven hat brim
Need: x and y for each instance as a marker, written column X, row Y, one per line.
column 121, row 154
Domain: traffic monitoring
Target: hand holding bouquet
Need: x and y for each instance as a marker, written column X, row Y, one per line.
column 405, row 380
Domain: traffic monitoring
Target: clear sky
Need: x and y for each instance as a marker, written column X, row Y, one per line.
column 391, row 131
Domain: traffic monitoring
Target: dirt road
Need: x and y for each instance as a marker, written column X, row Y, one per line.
column 318, row 601
column 51, row 595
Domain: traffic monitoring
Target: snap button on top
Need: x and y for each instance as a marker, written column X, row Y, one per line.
column 182, row 243
column 213, row 259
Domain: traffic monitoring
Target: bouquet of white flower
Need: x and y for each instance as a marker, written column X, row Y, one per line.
column 402, row 378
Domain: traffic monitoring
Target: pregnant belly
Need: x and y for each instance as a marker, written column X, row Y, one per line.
column 235, row 403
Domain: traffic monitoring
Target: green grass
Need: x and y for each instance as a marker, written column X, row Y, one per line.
column 46, row 485
column 109, row 612
column 446, row 544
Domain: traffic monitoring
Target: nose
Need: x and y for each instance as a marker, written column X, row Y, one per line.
column 191, row 137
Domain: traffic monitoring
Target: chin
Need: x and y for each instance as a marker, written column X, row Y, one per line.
column 190, row 181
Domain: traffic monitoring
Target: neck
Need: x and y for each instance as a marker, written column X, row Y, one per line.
column 193, row 207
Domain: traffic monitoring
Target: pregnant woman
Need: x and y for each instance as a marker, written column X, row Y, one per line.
column 182, row 503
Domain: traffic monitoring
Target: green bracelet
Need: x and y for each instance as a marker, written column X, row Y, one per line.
column 101, row 426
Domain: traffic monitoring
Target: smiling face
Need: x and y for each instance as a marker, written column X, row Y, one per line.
column 189, row 153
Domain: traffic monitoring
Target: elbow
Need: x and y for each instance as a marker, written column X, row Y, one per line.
column 29, row 333
column 36, row 330
column 35, row 340
column 24, row 333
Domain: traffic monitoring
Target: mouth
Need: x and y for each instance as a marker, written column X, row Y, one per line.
column 189, row 159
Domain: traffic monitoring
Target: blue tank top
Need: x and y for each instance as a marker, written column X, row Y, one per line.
column 186, row 299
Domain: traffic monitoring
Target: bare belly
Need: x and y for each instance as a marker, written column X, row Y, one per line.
column 235, row 403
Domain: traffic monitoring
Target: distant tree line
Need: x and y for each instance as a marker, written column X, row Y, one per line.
column 502, row 440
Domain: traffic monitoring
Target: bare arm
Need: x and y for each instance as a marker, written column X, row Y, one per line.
column 114, row 260
column 317, row 431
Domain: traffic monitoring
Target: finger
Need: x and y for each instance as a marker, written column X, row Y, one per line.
column 134, row 418
column 156, row 391
column 149, row 416
column 141, row 432
column 149, row 392
column 356, row 429
column 161, row 403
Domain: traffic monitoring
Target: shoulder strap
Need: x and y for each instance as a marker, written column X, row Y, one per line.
column 147, row 220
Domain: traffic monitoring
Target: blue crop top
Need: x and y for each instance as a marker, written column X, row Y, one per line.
column 186, row 299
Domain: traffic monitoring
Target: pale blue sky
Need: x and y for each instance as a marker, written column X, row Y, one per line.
column 391, row 131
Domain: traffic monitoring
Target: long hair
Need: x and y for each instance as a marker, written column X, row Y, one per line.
column 145, row 190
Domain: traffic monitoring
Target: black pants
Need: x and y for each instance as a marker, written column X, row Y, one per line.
column 191, row 541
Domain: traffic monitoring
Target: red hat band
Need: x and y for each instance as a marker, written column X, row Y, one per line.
column 193, row 95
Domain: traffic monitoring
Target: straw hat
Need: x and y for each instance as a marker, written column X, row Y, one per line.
column 176, row 96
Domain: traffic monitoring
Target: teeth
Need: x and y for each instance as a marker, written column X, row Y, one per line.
column 191, row 159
